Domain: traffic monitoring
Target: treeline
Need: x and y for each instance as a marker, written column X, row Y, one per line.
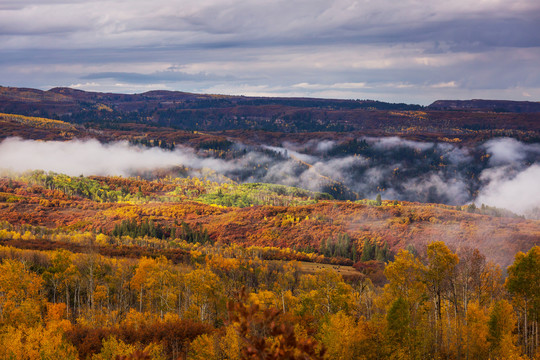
column 147, row 228
column 103, row 189
column 244, row 195
column 488, row 210
column 161, row 143
column 342, row 246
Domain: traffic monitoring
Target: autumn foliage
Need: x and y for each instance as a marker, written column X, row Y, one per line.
column 105, row 268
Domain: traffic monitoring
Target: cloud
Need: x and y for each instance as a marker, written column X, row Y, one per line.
column 348, row 85
column 436, row 187
column 90, row 157
column 507, row 151
column 282, row 22
column 450, row 84
column 400, row 52
column 394, row 167
column 156, row 77
column 388, row 143
column 289, row 152
column 325, row 145
column 518, row 192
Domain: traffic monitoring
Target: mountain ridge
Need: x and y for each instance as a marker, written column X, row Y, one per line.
column 487, row 105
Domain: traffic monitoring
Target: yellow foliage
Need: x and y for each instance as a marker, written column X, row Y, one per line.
column 155, row 351
column 476, row 331
column 20, row 294
column 229, row 344
column 28, row 236
column 203, row 348
column 264, row 299
column 102, row 239
column 341, row 336
column 113, row 348
column 35, row 343
column 38, row 122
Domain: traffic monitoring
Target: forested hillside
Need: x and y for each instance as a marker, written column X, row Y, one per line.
column 170, row 225
column 190, row 268
column 201, row 112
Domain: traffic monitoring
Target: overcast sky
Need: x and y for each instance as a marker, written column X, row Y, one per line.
column 392, row 50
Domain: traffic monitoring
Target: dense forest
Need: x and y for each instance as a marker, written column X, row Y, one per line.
column 227, row 302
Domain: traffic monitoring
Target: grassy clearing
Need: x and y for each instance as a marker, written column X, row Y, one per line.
column 312, row 268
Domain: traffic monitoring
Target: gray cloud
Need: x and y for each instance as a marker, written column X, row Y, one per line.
column 168, row 76
column 402, row 51
column 278, row 22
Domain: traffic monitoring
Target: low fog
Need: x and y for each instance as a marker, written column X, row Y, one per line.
column 516, row 191
column 502, row 172
column 90, row 157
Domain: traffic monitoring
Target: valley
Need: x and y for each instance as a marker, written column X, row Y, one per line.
column 169, row 225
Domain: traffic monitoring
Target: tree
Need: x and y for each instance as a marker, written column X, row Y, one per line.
column 406, row 282
column 398, row 328
column 405, row 278
column 501, row 324
column 113, row 348
column 40, row 341
column 440, row 269
column 325, row 293
column 20, row 294
column 368, row 251
column 341, row 337
column 204, row 348
column 204, row 294
column 476, row 332
column 56, row 275
column 523, row 282
column 156, row 279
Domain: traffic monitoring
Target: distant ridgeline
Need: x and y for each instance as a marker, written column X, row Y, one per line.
column 487, row 105
column 444, row 120
column 188, row 111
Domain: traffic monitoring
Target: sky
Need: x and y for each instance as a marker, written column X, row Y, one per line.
column 399, row 51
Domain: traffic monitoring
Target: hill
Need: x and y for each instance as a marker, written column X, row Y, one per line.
column 186, row 111
column 499, row 106
column 222, row 237
column 270, row 216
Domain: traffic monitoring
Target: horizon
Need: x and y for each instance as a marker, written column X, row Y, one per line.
column 265, row 96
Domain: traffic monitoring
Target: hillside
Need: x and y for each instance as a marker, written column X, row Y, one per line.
column 186, row 111
column 487, row 105
column 282, row 217
column 214, row 237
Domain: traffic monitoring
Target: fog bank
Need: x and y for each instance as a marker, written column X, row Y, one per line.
column 90, row 157
column 502, row 172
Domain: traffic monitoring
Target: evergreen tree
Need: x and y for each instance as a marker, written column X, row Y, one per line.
column 354, row 254
column 367, row 251
column 322, row 246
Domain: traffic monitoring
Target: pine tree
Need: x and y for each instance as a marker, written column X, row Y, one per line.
column 367, row 251
column 322, row 246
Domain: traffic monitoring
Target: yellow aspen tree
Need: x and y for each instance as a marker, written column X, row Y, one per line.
column 341, row 336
